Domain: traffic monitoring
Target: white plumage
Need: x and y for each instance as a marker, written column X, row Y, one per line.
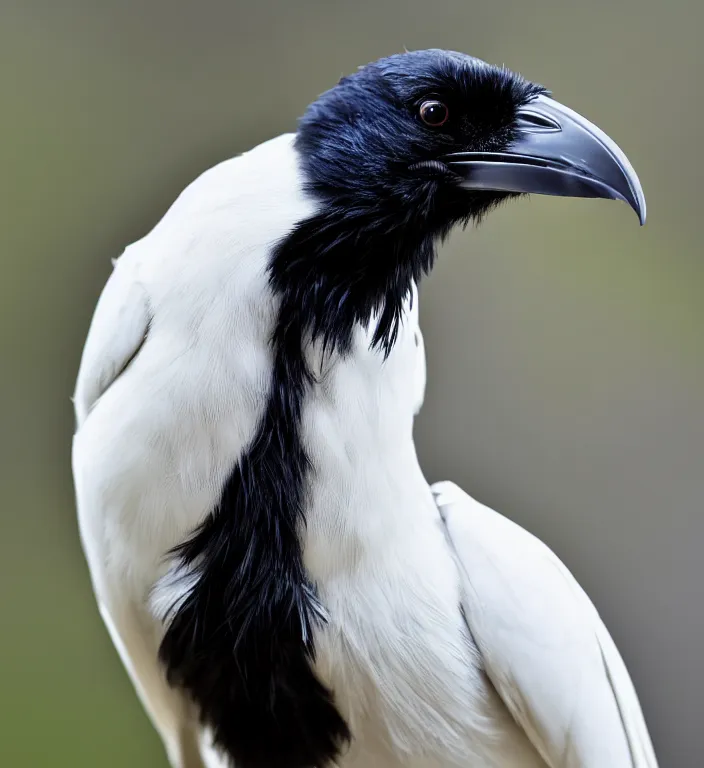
column 169, row 394
column 543, row 644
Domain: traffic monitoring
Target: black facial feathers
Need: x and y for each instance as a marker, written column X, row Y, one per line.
column 360, row 138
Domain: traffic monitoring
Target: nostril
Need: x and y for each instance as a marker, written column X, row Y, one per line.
column 531, row 120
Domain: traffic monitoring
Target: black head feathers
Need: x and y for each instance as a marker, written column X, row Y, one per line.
column 365, row 139
column 370, row 153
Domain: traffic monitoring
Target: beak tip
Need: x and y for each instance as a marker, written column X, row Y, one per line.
column 640, row 208
column 635, row 198
column 640, row 212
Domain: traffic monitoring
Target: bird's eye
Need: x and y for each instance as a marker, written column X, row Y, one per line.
column 434, row 113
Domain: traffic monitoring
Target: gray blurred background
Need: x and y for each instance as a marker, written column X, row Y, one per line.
column 564, row 343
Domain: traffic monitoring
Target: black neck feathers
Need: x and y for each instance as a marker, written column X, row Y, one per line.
column 241, row 644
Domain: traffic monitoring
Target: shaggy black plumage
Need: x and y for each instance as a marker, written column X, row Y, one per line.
column 241, row 644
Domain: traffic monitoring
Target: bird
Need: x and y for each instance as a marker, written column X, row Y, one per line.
column 283, row 585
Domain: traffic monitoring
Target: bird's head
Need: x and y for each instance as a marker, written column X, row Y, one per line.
column 445, row 136
column 405, row 148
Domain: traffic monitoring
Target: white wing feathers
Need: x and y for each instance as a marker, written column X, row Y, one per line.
column 118, row 329
column 544, row 646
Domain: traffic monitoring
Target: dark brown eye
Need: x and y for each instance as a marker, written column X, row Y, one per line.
column 434, row 113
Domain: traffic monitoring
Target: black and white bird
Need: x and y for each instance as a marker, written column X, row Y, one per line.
column 283, row 585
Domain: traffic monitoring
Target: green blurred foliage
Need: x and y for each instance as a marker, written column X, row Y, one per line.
column 564, row 343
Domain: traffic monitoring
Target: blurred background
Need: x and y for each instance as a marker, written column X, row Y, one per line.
column 564, row 343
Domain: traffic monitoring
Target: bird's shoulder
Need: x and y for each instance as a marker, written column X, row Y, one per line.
column 201, row 269
column 224, row 224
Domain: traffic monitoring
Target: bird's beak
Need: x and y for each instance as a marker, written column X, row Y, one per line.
column 557, row 152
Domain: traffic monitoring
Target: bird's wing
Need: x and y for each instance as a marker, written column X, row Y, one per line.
column 544, row 646
column 118, row 330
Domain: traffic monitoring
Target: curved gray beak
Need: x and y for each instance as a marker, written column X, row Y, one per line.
column 557, row 152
